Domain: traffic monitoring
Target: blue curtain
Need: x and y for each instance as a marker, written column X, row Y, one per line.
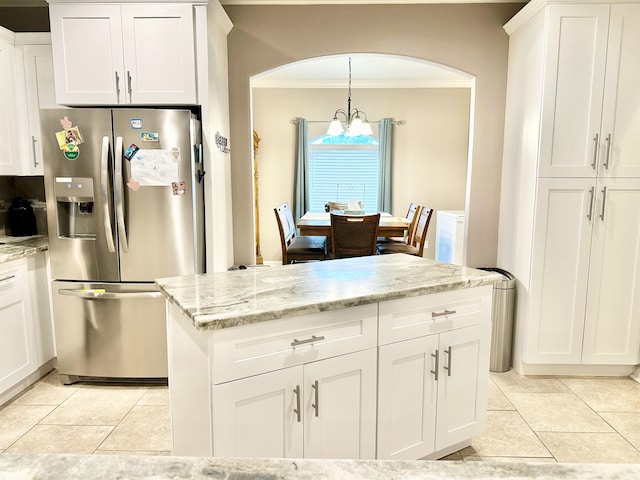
column 384, row 190
column 301, row 192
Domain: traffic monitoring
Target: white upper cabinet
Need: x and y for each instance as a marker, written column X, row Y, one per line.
column 136, row 54
column 589, row 109
column 9, row 155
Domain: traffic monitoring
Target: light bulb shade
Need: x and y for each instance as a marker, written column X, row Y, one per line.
column 366, row 128
column 335, row 128
column 356, row 128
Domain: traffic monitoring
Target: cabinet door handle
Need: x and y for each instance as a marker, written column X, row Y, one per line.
column 447, row 367
column 313, row 339
column 33, row 150
column 606, row 160
column 316, row 397
column 9, row 277
column 297, row 410
column 595, row 151
column 435, row 370
column 442, row 314
column 604, row 198
column 592, row 198
column 129, row 85
column 117, row 87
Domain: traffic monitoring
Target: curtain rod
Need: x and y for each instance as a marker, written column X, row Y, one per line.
column 294, row 121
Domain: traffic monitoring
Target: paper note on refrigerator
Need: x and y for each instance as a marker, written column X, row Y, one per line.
column 154, row 168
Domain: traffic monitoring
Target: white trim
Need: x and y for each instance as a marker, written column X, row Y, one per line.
column 586, row 370
column 33, row 38
column 267, row 83
column 353, row 2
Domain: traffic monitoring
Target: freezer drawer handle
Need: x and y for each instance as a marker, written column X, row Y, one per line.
column 101, row 294
column 104, row 187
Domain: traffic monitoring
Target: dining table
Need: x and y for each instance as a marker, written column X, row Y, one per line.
column 319, row 223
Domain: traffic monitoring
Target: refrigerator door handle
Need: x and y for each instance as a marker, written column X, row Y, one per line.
column 104, row 187
column 118, row 187
column 98, row 293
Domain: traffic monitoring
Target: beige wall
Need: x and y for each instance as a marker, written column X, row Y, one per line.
column 468, row 37
column 429, row 152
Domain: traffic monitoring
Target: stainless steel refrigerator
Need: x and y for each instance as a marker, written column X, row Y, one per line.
column 125, row 206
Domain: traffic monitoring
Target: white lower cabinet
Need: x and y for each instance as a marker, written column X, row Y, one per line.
column 324, row 409
column 432, row 392
column 17, row 346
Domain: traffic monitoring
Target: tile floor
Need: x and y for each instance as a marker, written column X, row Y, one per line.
column 537, row 419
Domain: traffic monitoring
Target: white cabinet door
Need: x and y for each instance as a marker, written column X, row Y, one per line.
column 87, row 54
column 40, row 94
column 9, row 158
column 259, row 416
column 407, row 396
column 340, row 407
column 573, row 88
column 560, row 268
column 620, row 119
column 17, row 360
column 40, row 294
column 612, row 325
column 129, row 54
column 463, row 381
column 159, row 54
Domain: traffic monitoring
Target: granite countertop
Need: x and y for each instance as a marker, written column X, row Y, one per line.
column 228, row 299
column 76, row 467
column 14, row 248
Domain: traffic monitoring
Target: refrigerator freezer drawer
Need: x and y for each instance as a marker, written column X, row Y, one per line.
column 110, row 330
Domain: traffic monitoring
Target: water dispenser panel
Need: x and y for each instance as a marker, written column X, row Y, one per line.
column 75, row 208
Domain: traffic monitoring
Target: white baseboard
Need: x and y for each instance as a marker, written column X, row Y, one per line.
column 578, row 370
column 636, row 375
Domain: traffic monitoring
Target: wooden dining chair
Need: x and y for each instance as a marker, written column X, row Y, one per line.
column 354, row 235
column 412, row 215
column 297, row 248
column 419, row 240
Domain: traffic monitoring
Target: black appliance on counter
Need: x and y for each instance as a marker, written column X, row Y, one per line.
column 22, row 220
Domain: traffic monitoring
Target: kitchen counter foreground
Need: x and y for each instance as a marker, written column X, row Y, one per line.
column 96, row 467
column 14, row 248
column 229, row 299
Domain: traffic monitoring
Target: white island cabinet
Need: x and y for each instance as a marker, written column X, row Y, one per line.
column 385, row 363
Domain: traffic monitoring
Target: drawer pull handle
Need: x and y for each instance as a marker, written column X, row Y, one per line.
column 435, row 371
column 316, row 396
column 297, row 343
column 9, row 277
column 448, row 366
column 297, row 410
column 442, row 314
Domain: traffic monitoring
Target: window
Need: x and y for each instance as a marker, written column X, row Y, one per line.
column 343, row 168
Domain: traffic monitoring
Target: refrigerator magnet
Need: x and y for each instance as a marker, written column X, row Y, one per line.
column 179, row 188
column 131, row 151
column 71, row 151
column 175, row 154
column 150, row 137
column 133, row 184
column 135, row 123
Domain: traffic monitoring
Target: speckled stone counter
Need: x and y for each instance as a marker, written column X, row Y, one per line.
column 14, row 248
column 81, row 467
column 240, row 297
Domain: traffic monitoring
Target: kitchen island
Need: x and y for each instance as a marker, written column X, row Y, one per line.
column 372, row 357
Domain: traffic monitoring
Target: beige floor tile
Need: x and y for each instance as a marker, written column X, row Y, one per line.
column 145, row 428
column 61, row 439
column 47, row 391
column 16, row 420
column 557, row 412
column 99, row 405
column 590, row 447
column 626, row 424
column 497, row 400
column 607, row 394
column 155, row 396
column 455, row 457
column 506, row 435
column 511, row 381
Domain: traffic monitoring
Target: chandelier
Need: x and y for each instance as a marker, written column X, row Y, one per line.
column 355, row 125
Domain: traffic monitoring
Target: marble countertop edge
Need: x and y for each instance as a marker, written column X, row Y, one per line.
column 15, row 248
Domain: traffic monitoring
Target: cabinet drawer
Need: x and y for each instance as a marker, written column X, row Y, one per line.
column 253, row 349
column 13, row 275
column 413, row 317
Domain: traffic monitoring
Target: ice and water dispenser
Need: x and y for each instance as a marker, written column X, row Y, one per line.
column 75, row 208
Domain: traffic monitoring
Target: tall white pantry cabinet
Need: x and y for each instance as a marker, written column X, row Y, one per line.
column 570, row 208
